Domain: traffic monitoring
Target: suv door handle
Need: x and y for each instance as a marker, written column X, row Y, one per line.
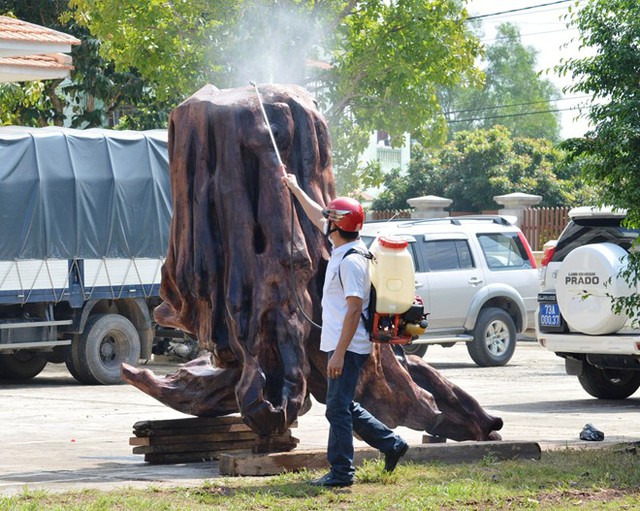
column 475, row 281
column 417, row 284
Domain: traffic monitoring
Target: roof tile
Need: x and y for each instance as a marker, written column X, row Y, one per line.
column 12, row 29
column 51, row 61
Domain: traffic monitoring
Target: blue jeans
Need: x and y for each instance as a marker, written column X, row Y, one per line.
column 346, row 416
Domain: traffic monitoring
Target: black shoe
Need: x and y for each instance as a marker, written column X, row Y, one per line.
column 392, row 458
column 329, row 481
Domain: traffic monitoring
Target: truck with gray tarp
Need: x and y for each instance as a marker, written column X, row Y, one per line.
column 84, row 226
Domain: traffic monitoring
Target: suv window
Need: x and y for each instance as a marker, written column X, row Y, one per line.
column 504, row 251
column 593, row 230
column 442, row 255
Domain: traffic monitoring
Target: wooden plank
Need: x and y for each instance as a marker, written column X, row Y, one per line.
column 164, row 432
column 196, row 424
column 276, row 463
column 433, row 439
column 193, row 446
column 196, row 447
column 271, row 464
column 189, row 457
column 149, row 427
column 181, row 439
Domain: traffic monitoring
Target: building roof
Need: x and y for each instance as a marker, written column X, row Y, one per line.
column 33, row 52
column 35, row 67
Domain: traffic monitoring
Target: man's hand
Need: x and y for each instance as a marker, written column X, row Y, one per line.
column 290, row 181
column 335, row 365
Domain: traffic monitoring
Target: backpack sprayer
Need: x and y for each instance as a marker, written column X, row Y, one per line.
column 396, row 313
column 399, row 314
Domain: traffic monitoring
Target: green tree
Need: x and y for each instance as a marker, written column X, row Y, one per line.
column 610, row 152
column 95, row 91
column 33, row 103
column 371, row 64
column 480, row 164
column 513, row 94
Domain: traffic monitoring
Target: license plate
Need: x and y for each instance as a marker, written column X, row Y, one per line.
column 549, row 314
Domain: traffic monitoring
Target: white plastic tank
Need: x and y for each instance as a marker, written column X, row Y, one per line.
column 393, row 275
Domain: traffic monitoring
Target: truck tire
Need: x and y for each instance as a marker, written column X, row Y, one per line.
column 419, row 350
column 609, row 383
column 587, row 278
column 494, row 338
column 71, row 366
column 22, row 365
column 108, row 340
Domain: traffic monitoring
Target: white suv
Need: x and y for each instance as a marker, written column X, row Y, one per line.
column 477, row 278
column 576, row 320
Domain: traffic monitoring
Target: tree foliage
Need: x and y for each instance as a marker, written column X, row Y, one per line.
column 513, row 93
column 175, row 45
column 374, row 65
column 478, row 165
column 96, row 90
column 610, row 152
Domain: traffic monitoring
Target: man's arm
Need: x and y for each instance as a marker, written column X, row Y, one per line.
column 312, row 209
column 349, row 327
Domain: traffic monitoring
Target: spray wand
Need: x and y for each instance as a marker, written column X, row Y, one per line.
column 266, row 121
column 284, row 173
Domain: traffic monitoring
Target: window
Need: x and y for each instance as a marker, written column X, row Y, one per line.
column 443, row 255
column 504, row 251
column 597, row 230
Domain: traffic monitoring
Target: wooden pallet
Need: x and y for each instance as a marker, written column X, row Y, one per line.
column 202, row 438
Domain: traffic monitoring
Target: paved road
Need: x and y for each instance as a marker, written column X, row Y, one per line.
column 57, row 434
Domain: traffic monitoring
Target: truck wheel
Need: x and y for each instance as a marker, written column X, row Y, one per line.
column 22, row 365
column 71, row 366
column 609, row 383
column 419, row 350
column 494, row 338
column 108, row 340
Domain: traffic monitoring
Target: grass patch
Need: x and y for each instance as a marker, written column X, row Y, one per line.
column 591, row 479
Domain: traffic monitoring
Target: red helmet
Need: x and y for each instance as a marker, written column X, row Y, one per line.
column 345, row 213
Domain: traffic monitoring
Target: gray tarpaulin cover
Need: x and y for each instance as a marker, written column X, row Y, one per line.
column 92, row 193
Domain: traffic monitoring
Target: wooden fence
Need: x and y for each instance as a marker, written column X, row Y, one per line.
column 540, row 225
column 373, row 216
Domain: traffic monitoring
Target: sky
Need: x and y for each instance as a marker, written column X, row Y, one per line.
column 543, row 29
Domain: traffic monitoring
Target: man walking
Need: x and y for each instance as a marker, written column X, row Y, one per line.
column 344, row 338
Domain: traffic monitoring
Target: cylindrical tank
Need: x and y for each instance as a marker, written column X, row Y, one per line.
column 392, row 275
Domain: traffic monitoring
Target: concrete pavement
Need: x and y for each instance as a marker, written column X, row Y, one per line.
column 58, row 435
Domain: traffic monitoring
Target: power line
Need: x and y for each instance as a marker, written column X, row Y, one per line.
column 520, row 114
column 500, row 38
column 510, row 105
column 481, row 16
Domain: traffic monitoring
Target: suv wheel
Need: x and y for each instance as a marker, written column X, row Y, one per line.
column 419, row 350
column 494, row 338
column 609, row 383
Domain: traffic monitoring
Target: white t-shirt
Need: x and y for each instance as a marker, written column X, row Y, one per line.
column 354, row 271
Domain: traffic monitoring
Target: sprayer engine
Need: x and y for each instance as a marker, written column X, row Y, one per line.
column 400, row 328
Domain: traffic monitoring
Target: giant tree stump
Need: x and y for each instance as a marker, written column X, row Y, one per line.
column 242, row 260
